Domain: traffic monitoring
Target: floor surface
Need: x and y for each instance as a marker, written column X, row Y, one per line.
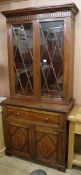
column 16, row 166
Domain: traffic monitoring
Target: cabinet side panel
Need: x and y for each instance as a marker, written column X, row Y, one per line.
column 11, row 60
column 69, row 58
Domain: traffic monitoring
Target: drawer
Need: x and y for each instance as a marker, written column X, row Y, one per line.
column 78, row 128
column 55, row 119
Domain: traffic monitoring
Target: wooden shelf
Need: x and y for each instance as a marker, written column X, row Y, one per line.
column 77, row 159
column 74, row 128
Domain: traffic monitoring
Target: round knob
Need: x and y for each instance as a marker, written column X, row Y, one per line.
column 46, row 119
column 18, row 113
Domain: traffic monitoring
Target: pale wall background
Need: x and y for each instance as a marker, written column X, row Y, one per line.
column 4, row 83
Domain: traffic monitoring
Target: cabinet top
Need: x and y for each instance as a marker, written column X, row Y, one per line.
column 37, row 10
column 75, row 114
column 39, row 105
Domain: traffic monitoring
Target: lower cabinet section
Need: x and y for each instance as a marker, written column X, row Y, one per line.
column 38, row 141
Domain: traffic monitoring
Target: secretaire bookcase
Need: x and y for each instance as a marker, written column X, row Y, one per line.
column 40, row 51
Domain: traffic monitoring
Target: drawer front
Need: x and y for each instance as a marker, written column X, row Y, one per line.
column 55, row 119
column 78, row 128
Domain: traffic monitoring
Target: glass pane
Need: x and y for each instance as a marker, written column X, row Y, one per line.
column 23, row 58
column 51, row 58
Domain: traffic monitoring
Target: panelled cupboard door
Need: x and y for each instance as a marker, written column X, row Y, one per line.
column 47, row 145
column 18, row 141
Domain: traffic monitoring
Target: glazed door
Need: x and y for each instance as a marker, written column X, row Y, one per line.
column 47, row 145
column 22, row 38
column 18, row 139
column 38, row 65
column 52, row 58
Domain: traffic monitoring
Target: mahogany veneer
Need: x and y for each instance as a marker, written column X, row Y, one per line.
column 40, row 50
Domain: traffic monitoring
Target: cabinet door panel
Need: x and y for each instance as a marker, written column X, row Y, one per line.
column 47, row 143
column 23, row 58
column 51, row 58
column 18, row 139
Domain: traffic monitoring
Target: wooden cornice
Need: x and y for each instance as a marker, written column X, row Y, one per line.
column 38, row 10
column 7, row 0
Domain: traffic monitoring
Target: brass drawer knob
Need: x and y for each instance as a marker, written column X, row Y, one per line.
column 46, row 119
column 18, row 113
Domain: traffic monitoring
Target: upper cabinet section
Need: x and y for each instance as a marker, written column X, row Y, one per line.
column 41, row 46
